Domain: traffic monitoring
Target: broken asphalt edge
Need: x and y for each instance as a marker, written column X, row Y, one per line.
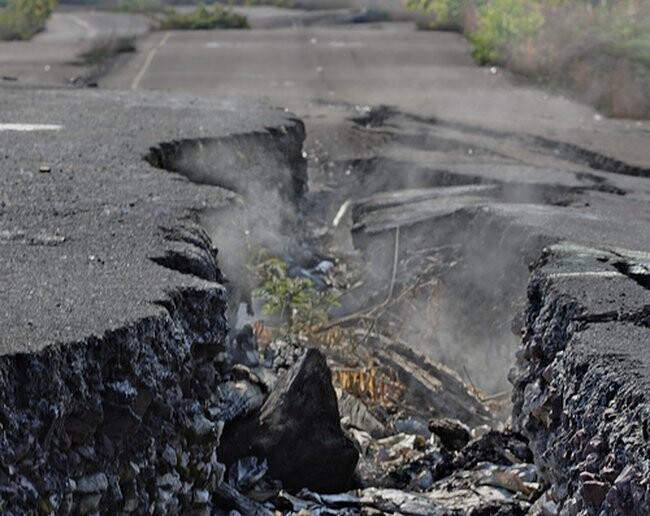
column 90, row 422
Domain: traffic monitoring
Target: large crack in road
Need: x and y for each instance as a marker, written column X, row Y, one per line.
column 482, row 273
column 446, row 255
column 442, row 252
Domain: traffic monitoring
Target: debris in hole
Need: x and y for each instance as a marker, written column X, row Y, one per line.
column 297, row 431
column 453, row 434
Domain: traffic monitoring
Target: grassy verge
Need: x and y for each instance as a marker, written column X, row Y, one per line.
column 249, row 3
column 203, row 17
column 140, row 6
column 22, row 19
column 599, row 49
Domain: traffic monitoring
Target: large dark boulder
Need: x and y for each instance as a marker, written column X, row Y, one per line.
column 297, row 431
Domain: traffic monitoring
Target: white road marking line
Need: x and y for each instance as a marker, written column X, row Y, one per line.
column 30, row 127
column 587, row 274
column 344, row 44
column 219, row 44
column 148, row 60
column 91, row 31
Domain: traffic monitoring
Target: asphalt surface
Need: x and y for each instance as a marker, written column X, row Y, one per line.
column 53, row 57
column 428, row 73
column 78, row 239
column 482, row 179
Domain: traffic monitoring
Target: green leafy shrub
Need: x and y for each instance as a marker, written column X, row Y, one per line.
column 299, row 305
column 139, row 6
column 502, row 25
column 203, row 17
column 21, row 19
column 449, row 14
column 600, row 49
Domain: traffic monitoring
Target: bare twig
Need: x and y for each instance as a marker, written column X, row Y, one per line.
column 366, row 314
column 470, row 380
column 497, row 396
column 341, row 213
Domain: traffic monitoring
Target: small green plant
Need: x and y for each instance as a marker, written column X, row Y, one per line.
column 140, row 6
column 297, row 302
column 203, row 18
column 448, row 14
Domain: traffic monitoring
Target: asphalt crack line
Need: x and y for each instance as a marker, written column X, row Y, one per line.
column 152, row 53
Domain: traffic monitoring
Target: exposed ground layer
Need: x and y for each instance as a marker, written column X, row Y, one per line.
column 113, row 304
column 582, row 377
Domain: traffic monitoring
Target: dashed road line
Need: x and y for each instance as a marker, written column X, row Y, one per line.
column 29, row 127
column 147, row 62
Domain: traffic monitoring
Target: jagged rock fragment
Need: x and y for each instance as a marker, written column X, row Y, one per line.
column 297, row 431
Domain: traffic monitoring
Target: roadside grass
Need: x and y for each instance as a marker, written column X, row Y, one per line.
column 598, row 49
column 22, row 19
column 252, row 3
column 140, row 6
column 202, row 18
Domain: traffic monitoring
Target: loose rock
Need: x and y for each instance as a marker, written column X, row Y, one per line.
column 298, row 431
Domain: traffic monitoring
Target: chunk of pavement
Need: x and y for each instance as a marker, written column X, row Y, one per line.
column 246, row 472
column 239, row 399
column 201, row 425
column 89, row 503
column 413, row 425
column 297, row 431
column 244, row 347
column 358, row 416
column 453, row 434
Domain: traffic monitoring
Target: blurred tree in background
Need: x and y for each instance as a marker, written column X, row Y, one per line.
column 21, row 19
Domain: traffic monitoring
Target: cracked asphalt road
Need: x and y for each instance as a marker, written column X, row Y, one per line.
column 452, row 123
column 451, row 118
column 82, row 214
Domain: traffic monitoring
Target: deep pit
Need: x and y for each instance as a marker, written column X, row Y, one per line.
column 444, row 272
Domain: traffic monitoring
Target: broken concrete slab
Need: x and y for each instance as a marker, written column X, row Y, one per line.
column 453, row 434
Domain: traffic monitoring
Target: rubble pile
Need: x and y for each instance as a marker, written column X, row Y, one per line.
column 293, row 442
